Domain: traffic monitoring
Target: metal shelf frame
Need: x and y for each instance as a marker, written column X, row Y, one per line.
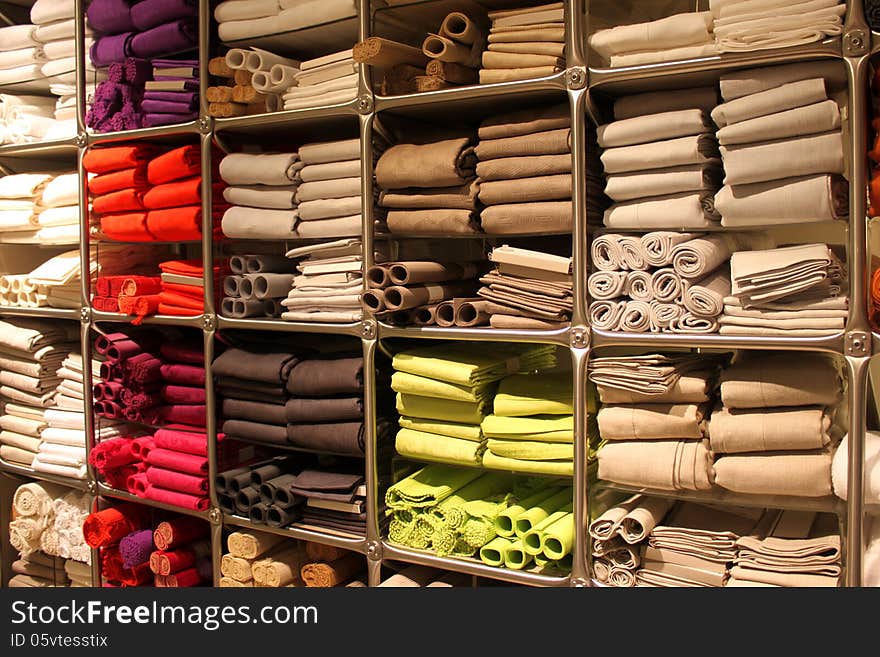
column 577, row 83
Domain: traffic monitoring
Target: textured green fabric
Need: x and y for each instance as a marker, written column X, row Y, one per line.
column 535, row 394
column 466, row 501
column 441, row 409
column 504, row 523
column 531, row 517
column 451, row 429
column 470, row 364
column 516, row 558
column 438, row 449
column 528, row 450
column 558, row 538
column 534, row 538
column 428, row 387
column 547, row 428
column 560, row 468
column 494, row 553
column 428, row 487
column 549, row 566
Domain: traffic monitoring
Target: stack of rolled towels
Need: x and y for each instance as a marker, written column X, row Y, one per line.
column 182, row 553
column 782, row 146
column 256, row 286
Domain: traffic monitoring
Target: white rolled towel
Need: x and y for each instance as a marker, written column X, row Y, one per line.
column 840, row 468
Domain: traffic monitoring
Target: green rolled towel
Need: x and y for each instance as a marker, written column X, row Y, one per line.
column 561, row 468
column 494, row 553
column 428, row 487
column 441, row 409
column 535, row 394
column 547, row 428
column 504, row 523
column 528, row 450
column 534, row 538
column 414, row 384
column 400, row 527
column 438, row 449
column 516, row 558
column 561, row 566
column 443, row 428
column 444, row 541
column 469, row 500
column 471, row 364
column 531, row 517
column 558, row 538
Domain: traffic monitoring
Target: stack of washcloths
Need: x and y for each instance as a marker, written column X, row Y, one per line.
column 789, row 549
column 666, row 282
column 183, row 290
column 182, row 554
column 430, row 188
column 444, row 392
column 242, row 19
column 525, row 43
column 172, row 95
column 257, row 286
column 328, row 80
column 652, row 419
column 661, row 160
column 790, row 291
column 524, row 171
column 424, row 577
column 328, row 285
column 49, row 518
column 37, row 208
column 231, row 92
column 775, row 433
column 526, row 290
column 782, row 146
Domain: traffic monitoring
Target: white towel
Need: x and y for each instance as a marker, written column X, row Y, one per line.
column 840, row 468
column 783, row 158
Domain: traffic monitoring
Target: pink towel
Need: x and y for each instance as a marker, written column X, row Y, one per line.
column 183, row 394
column 176, row 352
column 112, row 453
column 103, row 342
column 141, row 447
column 192, row 415
column 189, row 463
column 177, row 481
column 196, row 502
column 143, row 368
column 137, row 484
column 186, row 375
column 182, row 441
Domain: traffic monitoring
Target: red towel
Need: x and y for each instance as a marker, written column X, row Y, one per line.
column 135, row 286
column 140, row 307
column 178, row 532
column 141, row 447
column 137, row 484
column 109, row 286
column 177, row 481
column 191, row 414
column 193, row 292
column 176, row 224
column 182, row 441
column 174, row 194
column 111, row 182
column 179, row 352
column 113, row 570
column 118, row 477
column 183, row 395
column 189, row 463
column 183, row 579
column 179, row 163
column 107, row 527
column 186, row 375
column 111, row 453
column 106, row 304
column 124, row 200
column 114, row 158
column 185, row 267
column 177, row 311
column 143, row 369
column 183, row 301
column 131, row 227
column 167, row 562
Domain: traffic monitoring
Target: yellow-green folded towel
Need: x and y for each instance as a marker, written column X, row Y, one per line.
column 441, row 409
column 428, row 487
column 494, row 462
column 428, row 387
column 454, row 511
column 440, row 427
column 527, row 450
column 547, row 428
column 535, row 394
column 534, row 538
column 534, row 515
column 558, row 539
column 504, row 523
column 470, row 364
column 437, row 448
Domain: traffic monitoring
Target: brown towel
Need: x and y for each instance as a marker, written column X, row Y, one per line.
column 525, row 122
column 324, row 575
column 508, row 168
column 321, row 552
column 525, row 190
column 463, row 197
column 445, row 163
column 549, row 142
column 527, row 218
column 432, row 222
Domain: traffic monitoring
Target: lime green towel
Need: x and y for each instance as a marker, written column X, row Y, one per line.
column 494, row 553
column 535, row 394
column 441, row 409
column 561, row 468
column 428, row 487
column 528, row 450
column 454, row 511
column 531, row 517
column 548, row 566
column 438, row 449
column 558, row 538
column 470, row 364
column 428, row 387
column 548, row 428
column 504, row 523
column 451, row 429
column 516, row 558
column 534, row 538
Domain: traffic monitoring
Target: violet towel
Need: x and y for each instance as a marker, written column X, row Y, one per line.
column 110, row 16
column 165, row 107
column 111, row 48
column 150, row 13
column 152, row 120
column 166, row 38
column 137, row 71
column 136, row 548
column 188, row 97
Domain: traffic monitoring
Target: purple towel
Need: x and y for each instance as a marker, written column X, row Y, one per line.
column 151, row 106
column 110, row 16
column 135, row 548
column 187, row 97
column 137, row 71
column 150, row 13
column 152, row 120
column 111, row 48
column 174, row 63
column 167, row 38
column 191, row 85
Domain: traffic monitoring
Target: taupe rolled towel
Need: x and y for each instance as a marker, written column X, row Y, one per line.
column 525, row 122
column 463, row 197
column 705, row 297
column 241, row 364
column 691, row 210
column 236, row 568
column 606, row 315
column 638, row 523
column 524, row 190
column 472, row 312
column 632, row 253
column 655, row 102
column 446, row 163
column 667, row 285
column 550, row 142
column 696, row 149
column 605, row 527
column 695, row 258
column 422, row 271
column 606, row 285
column 665, row 315
column 651, row 421
column 636, row 317
column 605, row 252
column 783, row 158
column 781, row 379
column 432, row 222
column 662, row 464
column 325, row 377
column 250, row 545
column 638, row 286
column 773, row 429
column 398, row 297
column 695, row 324
column 771, row 101
column 335, row 437
column 332, row 409
column 652, row 128
column 526, row 166
column 801, row 474
column 527, row 218
column 808, row 120
column 662, row 182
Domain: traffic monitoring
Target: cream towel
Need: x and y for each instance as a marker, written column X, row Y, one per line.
column 650, row 421
column 663, row 34
column 822, row 116
column 755, row 80
column 690, row 210
column 651, row 128
column 663, row 182
column 732, row 431
column 771, row 101
column 784, row 158
column 695, row 149
column 787, row 201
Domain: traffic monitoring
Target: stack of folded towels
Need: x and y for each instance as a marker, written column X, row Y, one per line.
column 445, row 391
column 242, row 19
column 652, row 419
column 256, row 286
column 524, row 171
column 775, row 433
column 524, row 43
column 790, row 291
column 183, row 291
column 54, row 283
column 39, row 570
column 328, row 80
column 430, row 188
column 423, row 577
column 329, row 194
column 328, row 285
column 28, row 119
column 37, row 208
column 255, row 559
column 527, row 290
column 335, row 498
column 182, row 554
column 172, row 96
column 661, row 160
column 782, row 146
column 666, row 282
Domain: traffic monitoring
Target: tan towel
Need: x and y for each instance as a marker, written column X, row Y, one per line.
column 530, row 47
column 501, row 60
column 606, row 285
column 802, row 474
column 783, row 158
column 805, row 199
column 463, row 197
column 705, row 297
column 686, row 390
column 641, row 520
column 651, row 421
column 606, row 315
column 732, row 431
column 663, row 182
column 236, row 568
column 605, row 527
column 431, row 222
column 652, row 128
column 742, row 574
column 658, row 245
column 248, row 545
column 771, row 101
column 655, row 102
column 324, row 575
column 280, row 568
column 496, row 75
column 527, row 218
column 662, row 464
column 445, row 163
column 508, row 168
column 694, row 259
column 549, row 142
column 773, row 274
column 526, row 190
column 780, row 379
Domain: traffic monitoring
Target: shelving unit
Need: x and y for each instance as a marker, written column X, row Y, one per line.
column 580, row 85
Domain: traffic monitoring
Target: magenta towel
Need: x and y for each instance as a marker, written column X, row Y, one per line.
column 108, row 408
column 150, row 13
column 128, row 395
column 182, row 352
column 103, row 342
column 142, row 400
column 184, row 500
column 178, row 481
column 150, row 106
column 110, row 16
column 189, row 463
column 137, row 484
column 143, row 368
column 185, row 375
column 182, row 441
column 183, row 395
column 141, row 447
column 194, row 415
column 136, row 548
column 111, row 454
column 110, row 372
column 123, row 350
column 171, row 37
column 187, row 97
column 111, row 48
column 107, row 390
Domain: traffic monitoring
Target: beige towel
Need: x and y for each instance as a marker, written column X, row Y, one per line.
column 247, row 545
column 694, row 259
column 780, row 379
column 606, row 526
column 662, row 464
column 810, row 119
column 652, row 128
column 236, row 568
column 670, row 32
column 690, row 210
column 651, row 421
column 686, row 390
column 525, row 190
column 496, row 75
column 527, row 218
column 508, row 168
column 663, row 182
column 755, row 80
column 643, row 518
column 506, row 60
column 790, row 200
column 705, row 297
column 773, row 274
column 431, row 222
column 767, row 577
column 445, row 163
column 606, row 315
column 549, row 142
column 671, row 55
column 656, row 102
column 695, row 149
column 606, row 285
column 771, row 101
column 802, row 474
column 463, row 197
column 732, row 431
column 783, row 158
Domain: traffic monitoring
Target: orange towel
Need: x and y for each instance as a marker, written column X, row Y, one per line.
column 189, row 291
column 181, row 301
column 176, row 224
column 140, row 307
column 111, row 182
column 174, row 194
column 114, row 158
column 130, row 227
column 182, row 162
